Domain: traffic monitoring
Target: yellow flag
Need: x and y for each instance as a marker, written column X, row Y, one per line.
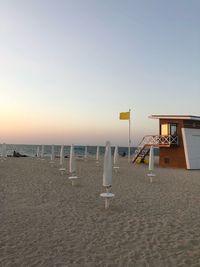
column 124, row 115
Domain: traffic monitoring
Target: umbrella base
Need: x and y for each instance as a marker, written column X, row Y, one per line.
column 151, row 175
column 62, row 170
column 116, row 168
column 73, row 179
column 107, row 196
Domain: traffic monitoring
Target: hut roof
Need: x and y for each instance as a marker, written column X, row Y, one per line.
column 179, row 117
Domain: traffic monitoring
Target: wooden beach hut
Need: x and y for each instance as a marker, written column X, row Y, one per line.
column 178, row 141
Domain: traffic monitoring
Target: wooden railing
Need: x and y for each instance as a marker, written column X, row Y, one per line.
column 154, row 140
column 159, row 140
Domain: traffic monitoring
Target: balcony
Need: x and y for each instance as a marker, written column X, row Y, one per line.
column 161, row 140
column 154, row 140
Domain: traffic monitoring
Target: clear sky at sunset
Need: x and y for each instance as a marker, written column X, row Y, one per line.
column 68, row 67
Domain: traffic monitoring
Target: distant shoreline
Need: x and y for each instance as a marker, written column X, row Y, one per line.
column 31, row 150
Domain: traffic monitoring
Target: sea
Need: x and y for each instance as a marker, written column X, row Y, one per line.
column 31, row 150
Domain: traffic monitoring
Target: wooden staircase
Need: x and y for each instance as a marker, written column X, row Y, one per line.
column 141, row 154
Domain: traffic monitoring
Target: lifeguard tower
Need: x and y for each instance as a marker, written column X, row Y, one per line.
column 178, row 142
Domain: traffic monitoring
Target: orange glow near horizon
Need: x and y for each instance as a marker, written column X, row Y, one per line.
column 22, row 126
column 36, row 131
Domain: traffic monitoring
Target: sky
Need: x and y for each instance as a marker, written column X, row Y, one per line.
column 69, row 67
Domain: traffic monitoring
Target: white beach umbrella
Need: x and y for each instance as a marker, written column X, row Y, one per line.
column 116, row 159
column 107, row 175
column 72, row 166
column 62, row 169
column 52, row 153
column 151, row 164
column 86, row 153
column 4, row 150
column 116, row 156
column 97, row 154
column 72, row 163
column 62, row 155
column 38, row 152
column 42, row 152
column 107, row 171
column 151, row 159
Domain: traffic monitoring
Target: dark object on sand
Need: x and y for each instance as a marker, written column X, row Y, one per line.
column 18, row 155
column 123, row 154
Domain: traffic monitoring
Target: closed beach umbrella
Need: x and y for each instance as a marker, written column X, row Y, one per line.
column 107, row 171
column 116, row 156
column 86, row 152
column 62, row 169
column 42, row 152
column 151, row 159
column 62, row 155
column 97, row 154
column 72, row 163
column 52, row 153
column 72, row 166
column 38, row 152
column 4, row 150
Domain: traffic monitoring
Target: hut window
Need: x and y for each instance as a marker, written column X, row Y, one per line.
column 168, row 129
column 173, row 129
column 164, row 129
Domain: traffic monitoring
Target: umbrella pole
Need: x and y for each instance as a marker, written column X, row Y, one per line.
column 151, row 179
column 106, row 198
column 116, row 168
column 107, row 195
column 106, row 203
column 151, row 175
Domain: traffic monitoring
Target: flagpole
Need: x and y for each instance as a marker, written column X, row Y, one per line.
column 127, row 116
column 129, row 137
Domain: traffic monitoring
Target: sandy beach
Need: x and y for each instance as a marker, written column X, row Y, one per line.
column 45, row 221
